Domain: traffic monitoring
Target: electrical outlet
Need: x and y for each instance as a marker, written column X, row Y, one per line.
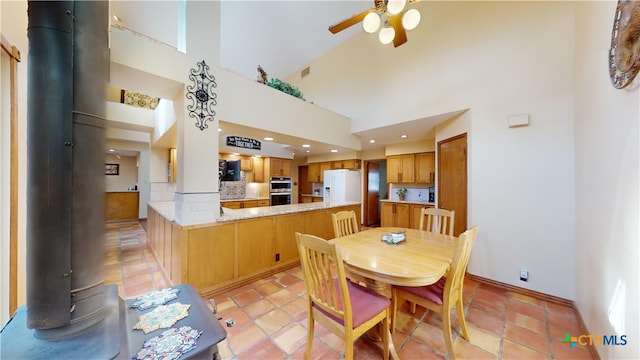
column 524, row 275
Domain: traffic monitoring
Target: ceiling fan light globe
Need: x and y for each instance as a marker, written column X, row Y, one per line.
column 396, row 6
column 387, row 34
column 411, row 19
column 371, row 22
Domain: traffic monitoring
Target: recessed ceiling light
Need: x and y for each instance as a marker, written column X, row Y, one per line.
column 306, row 145
column 334, row 150
column 268, row 138
column 371, row 141
column 219, row 129
column 111, row 150
column 404, row 136
column 308, row 150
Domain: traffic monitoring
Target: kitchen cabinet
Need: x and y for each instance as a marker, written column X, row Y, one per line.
column 346, row 164
column 241, row 204
column 173, row 165
column 394, row 215
column 416, row 212
column 286, row 245
column 315, row 172
column 279, row 167
column 221, row 256
column 211, row 255
column 264, row 202
column 257, row 169
column 255, row 247
column 325, row 165
column 315, row 223
column 121, row 205
column 400, row 168
column 425, row 168
column 246, row 163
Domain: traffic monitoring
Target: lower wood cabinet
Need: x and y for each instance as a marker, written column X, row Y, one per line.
column 221, row 256
column 244, row 204
column 286, row 247
column 315, row 223
column 121, row 205
column 394, row 215
column 210, row 261
column 404, row 215
column 255, row 247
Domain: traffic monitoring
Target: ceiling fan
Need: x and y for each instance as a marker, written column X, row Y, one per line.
column 392, row 14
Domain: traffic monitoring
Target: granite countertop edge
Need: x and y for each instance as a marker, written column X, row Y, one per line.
column 408, row 202
column 167, row 210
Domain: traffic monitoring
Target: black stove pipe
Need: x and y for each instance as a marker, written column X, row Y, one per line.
column 68, row 70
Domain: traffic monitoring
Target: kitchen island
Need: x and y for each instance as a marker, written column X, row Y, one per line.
column 243, row 245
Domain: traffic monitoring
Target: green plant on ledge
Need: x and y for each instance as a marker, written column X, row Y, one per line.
column 285, row 87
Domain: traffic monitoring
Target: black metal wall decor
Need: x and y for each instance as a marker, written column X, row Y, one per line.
column 202, row 96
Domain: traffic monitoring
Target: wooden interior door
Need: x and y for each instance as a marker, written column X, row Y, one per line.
column 304, row 186
column 452, row 179
column 13, row 55
column 372, row 215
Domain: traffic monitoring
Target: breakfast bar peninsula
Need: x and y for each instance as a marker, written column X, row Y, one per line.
column 240, row 247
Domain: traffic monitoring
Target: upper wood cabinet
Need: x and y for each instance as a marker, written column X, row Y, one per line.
column 315, row 172
column 346, row 164
column 425, row 167
column 279, row 167
column 173, row 165
column 258, row 169
column 246, row 163
column 400, row 168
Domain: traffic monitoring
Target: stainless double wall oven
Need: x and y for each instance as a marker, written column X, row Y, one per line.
column 280, row 190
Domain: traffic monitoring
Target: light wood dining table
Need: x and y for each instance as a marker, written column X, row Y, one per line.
column 421, row 259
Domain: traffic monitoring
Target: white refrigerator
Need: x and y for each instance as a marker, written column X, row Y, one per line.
column 342, row 185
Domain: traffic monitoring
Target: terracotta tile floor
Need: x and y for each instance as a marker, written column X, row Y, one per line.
column 271, row 315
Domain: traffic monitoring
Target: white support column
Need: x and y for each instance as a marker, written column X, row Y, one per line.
column 197, row 198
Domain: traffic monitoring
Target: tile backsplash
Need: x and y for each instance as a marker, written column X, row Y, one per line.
column 233, row 190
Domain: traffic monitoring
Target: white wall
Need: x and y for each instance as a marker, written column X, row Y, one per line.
column 496, row 59
column 127, row 173
column 143, row 170
column 607, row 183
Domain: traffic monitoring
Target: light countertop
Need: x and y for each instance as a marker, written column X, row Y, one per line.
column 244, row 199
column 167, row 210
column 408, row 202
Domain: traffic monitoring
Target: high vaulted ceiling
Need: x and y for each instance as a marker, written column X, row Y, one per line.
column 281, row 36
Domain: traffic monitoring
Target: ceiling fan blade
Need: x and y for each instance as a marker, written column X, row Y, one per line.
column 344, row 24
column 401, row 35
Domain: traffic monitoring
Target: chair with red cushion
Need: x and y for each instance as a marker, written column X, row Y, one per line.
column 443, row 295
column 346, row 309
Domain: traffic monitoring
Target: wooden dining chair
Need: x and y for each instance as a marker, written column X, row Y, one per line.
column 345, row 223
column 442, row 296
column 437, row 220
column 346, row 309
